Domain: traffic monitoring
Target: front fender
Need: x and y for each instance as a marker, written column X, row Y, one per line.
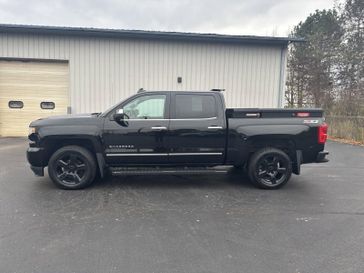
column 55, row 134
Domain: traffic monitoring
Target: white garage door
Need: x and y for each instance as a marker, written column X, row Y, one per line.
column 30, row 90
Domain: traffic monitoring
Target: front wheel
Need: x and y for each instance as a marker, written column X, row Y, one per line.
column 72, row 167
column 270, row 168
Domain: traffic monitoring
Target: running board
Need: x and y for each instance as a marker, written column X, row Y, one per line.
column 166, row 170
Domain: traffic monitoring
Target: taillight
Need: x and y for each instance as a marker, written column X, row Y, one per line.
column 322, row 133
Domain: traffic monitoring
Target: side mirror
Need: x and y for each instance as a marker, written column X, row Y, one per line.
column 120, row 117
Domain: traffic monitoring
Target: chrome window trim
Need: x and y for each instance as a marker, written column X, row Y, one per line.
column 160, row 154
column 151, row 119
column 137, row 154
column 195, row 154
column 193, row 118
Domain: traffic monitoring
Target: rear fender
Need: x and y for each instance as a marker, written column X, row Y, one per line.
column 284, row 137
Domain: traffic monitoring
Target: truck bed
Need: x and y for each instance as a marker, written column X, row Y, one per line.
column 297, row 129
column 273, row 113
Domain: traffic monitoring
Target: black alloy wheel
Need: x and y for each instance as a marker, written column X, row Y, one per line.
column 72, row 167
column 270, row 168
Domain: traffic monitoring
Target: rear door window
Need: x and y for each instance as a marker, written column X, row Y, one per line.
column 195, row 106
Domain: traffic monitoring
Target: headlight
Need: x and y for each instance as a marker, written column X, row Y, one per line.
column 33, row 137
column 32, row 130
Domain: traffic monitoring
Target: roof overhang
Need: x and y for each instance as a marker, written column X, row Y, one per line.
column 150, row 35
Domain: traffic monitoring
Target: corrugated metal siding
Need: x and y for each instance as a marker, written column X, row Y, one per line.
column 104, row 71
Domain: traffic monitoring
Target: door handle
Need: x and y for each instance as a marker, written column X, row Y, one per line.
column 214, row 127
column 159, row 128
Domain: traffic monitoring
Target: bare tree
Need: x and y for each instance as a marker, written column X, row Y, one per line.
column 351, row 76
column 312, row 65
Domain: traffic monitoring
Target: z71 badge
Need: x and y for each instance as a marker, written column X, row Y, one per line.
column 311, row 121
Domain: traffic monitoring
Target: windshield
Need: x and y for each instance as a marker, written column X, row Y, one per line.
column 104, row 113
column 108, row 110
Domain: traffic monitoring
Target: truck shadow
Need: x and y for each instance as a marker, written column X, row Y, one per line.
column 234, row 178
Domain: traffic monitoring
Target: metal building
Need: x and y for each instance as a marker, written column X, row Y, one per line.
column 54, row 70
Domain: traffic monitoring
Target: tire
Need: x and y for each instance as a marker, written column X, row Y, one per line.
column 72, row 168
column 270, row 168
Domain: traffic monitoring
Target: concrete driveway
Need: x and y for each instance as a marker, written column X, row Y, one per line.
column 184, row 224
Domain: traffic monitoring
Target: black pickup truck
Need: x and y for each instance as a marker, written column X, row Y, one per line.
column 177, row 133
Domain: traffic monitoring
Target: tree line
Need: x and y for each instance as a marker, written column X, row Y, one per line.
column 327, row 70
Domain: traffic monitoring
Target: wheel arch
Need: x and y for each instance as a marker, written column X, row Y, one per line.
column 285, row 143
column 53, row 143
column 281, row 142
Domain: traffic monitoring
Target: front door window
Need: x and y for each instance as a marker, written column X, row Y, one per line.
column 146, row 107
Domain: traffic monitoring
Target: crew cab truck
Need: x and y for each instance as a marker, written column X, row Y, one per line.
column 177, row 132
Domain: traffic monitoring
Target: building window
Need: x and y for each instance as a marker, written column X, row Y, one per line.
column 48, row 105
column 16, row 104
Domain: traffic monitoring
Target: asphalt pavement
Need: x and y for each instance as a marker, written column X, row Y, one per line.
column 167, row 224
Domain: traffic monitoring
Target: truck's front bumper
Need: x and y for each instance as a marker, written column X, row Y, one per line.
column 38, row 171
column 35, row 158
column 321, row 157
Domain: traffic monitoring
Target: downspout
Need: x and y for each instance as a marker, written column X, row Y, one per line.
column 282, row 76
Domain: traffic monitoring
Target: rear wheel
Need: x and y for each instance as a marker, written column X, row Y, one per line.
column 270, row 168
column 72, row 167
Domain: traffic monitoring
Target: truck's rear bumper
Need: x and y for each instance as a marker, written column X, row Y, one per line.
column 321, row 157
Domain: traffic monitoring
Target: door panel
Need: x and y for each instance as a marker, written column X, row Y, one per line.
column 197, row 130
column 141, row 140
column 190, row 141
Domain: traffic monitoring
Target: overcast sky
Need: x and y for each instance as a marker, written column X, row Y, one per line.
column 256, row 17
